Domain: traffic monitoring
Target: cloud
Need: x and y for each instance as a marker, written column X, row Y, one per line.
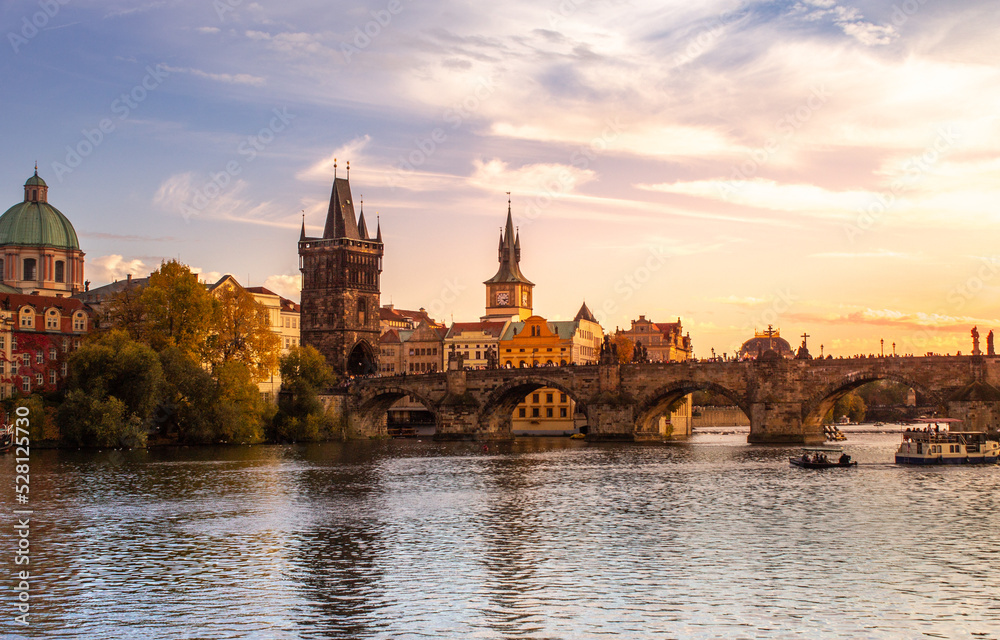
column 531, row 179
column 322, row 170
column 287, row 286
column 208, row 277
column 881, row 253
column 227, row 78
column 208, row 30
column 114, row 267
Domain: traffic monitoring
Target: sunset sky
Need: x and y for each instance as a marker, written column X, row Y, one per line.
column 825, row 167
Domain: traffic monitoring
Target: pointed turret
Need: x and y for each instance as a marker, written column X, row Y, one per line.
column 509, row 255
column 585, row 314
column 378, row 230
column 340, row 219
column 302, row 234
column 362, row 227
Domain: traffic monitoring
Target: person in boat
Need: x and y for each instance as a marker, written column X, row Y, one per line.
column 821, row 458
column 845, row 459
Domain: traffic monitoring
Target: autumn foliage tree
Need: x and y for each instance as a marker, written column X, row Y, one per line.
column 241, row 332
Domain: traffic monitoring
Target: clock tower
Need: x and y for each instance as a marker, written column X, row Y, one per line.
column 508, row 293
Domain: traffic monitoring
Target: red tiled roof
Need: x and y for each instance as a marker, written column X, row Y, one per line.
column 491, row 328
column 18, row 300
column 389, row 337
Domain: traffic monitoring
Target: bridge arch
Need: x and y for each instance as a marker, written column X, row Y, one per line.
column 658, row 402
column 817, row 406
column 496, row 410
column 372, row 404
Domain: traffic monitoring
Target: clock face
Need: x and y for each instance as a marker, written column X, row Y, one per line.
column 503, row 299
column 524, row 298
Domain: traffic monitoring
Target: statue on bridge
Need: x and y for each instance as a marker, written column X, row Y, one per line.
column 609, row 352
column 639, row 353
column 492, row 361
column 975, row 342
column 989, row 344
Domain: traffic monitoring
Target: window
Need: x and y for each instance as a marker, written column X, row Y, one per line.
column 26, row 359
column 477, row 355
column 65, row 344
column 39, row 357
column 13, row 343
column 288, row 323
column 562, row 412
column 3, row 366
column 562, row 397
column 29, row 268
column 548, row 412
column 534, row 398
column 13, row 367
column 534, row 410
column 362, row 312
column 52, row 319
column 294, row 323
column 39, row 380
column 548, row 398
column 521, row 412
column 26, row 384
column 27, row 317
column 79, row 321
column 60, row 271
column 3, row 274
column 52, row 376
column 3, row 341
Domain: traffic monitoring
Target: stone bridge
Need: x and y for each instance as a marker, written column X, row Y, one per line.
column 784, row 399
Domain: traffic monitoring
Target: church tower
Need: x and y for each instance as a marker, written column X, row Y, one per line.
column 508, row 293
column 340, row 286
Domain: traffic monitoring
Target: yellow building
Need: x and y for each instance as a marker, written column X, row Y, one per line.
column 537, row 342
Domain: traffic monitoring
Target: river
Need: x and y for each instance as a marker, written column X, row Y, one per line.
column 537, row 538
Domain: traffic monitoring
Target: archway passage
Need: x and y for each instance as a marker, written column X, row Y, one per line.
column 532, row 407
column 362, row 361
column 398, row 412
column 668, row 412
column 894, row 395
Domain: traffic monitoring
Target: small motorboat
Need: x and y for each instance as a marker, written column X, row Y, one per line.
column 822, row 458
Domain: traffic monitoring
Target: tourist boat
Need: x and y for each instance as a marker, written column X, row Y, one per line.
column 822, row 458
column 947, row 447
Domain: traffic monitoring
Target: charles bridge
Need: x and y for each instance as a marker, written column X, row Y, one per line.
column 784, row 399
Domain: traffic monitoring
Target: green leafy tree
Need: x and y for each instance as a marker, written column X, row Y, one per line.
column 176, row 309
column 239, row 413
column 241, row 332
column 99, row 422
column 115, row 365
column 184, row 413
column 301, row 416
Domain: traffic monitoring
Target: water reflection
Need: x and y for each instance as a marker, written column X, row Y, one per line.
column 531, row 539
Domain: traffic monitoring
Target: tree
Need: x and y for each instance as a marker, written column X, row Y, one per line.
column 177, row 309
column 116, row 365
column 241, row 332
column 125, row 310
column 625, row 348
column 188, row 396
column 239, row 412
column 301, row 415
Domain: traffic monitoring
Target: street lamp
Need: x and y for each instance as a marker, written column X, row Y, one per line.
column 893, row 349
column 881, row 348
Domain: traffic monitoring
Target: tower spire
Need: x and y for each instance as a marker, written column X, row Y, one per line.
column 348, row 169
column 302, row 235
column 334, row 168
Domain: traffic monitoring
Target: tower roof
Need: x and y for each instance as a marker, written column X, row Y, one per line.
column 340, row 219
column 584, row 314
column 509, row 257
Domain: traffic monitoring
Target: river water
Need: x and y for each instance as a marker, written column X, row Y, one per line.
column 539, row 538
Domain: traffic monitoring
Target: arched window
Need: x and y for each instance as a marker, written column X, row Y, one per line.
column 29, row 268
column 3, row 274
column 60, row 271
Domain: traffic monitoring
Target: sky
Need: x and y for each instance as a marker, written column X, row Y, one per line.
column 825, row 167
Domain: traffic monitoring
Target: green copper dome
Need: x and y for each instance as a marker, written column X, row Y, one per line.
column 35, row 181
column 37, row 224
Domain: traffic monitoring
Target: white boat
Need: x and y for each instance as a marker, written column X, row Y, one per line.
column 947, row 447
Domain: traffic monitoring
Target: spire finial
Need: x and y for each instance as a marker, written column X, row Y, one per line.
column 36, row 167
column 348, row 169
column 362, row 195
column 334, row 168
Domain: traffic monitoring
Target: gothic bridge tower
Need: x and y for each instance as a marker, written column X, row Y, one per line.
column 508, row 292
column 340, row 286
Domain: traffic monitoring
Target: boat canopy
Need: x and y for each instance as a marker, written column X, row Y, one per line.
column 824, row 449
